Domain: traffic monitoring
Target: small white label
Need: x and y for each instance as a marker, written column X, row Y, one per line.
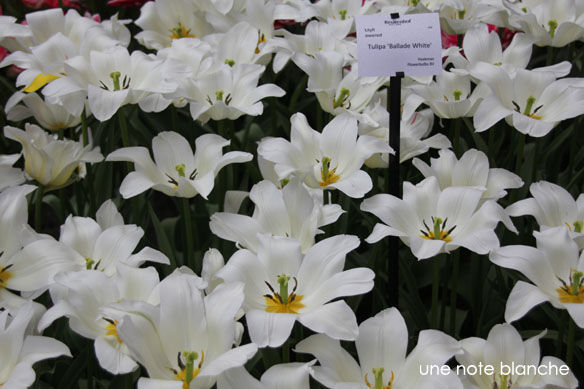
column 409, row 44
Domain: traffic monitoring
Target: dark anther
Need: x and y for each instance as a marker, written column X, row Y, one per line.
column 103, row 86
column 425, row 234
column 109, row 320
column 6, row 268
column 449, row 231
column 517, row 108
column 193, row 174
column 444, row 224
column 228, row 99
column 270, row 297
column 537, row 109
column 181, row 365
column 425, row 225
column 171, row 180
column 270, row 286
column 209, row 100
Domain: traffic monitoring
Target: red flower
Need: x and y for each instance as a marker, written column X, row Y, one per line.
column 37, row 4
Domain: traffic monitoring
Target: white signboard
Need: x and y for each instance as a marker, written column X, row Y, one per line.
column 409, row 44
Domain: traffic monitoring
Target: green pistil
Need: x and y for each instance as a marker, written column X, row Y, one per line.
column 343, row 14
column 342, row 97
column 576, row 279
column 89, row 263
column 457, row 94
column 115, row 76
column 378, row 373
column 553, row 25
column 578, row 227
column 415, row 3
column 326, row 163
column 283, row 281
column 230, row 62
column 529, row 105
column 190, row 357
column 504, row 382
column 461, row 14
column 437, row 223
column 524, row 9
column 498, row 63
column 219, row 95
column 284, row 182
column 180, row 169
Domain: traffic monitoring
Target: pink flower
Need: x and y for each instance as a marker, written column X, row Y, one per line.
column 37, row 4
column 127, row 3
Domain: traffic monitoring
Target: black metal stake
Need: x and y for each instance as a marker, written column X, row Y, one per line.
column 393, row 184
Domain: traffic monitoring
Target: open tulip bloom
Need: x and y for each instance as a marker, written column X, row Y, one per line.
column 432, row 221
column 282, row 286
column 331, row 159
column 290, row 212
column 20, row 350
column 556, row 270
column 176, row 170
column 382, row 345
column 187, row 341
column 504, row 347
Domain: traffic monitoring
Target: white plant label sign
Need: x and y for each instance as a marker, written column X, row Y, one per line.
column 411, row 44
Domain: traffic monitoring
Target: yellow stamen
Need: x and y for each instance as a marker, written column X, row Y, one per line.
column 181, row 32
column 378, row 380
column 574, row 292
column 274, row 305
column 188, row 372
column 328, row 177
column 5, row 275
column 112, row 330
column 40, row 81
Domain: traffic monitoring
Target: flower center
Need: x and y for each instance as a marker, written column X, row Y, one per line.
column 181, row 171
column 261, row 39
column 188, row 371
column 461, row 13
column 378, row 374
column 343, row 99
column 574, row 292
column 438, row 232
column 112, row 329
column 219, row 97
column 283, row 302
column 505, row 381
column 577, row 226
column 327, row 175
column 115, row 76
column 528, row 106
column 553, row 24
column 5, row 275
column 181, row 32
column 343, row 14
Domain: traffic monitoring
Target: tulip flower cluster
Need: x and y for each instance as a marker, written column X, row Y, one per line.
column 194, row 194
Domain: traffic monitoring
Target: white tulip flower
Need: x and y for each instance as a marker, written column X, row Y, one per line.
column 229, row 92
column 449, row 96
column 282, row 286
column 432, row 221
column 555, row 24
column 414, row 131
column 110, row 79
column 553, row 206
column 331, row 159
column 164, row 21
column 381, row 347
column 187, row 341
column 555, row 269
column 176, row 170
column 532, row 102
column 290, row 212
column 472, row 169
column 20, row 350
column 480, row 45
column 50, row 161
column 108, row 241
column 52, row 117
column 503, row 349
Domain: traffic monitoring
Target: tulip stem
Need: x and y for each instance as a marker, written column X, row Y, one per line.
column 189, row 249
column 519, row 160
column 454, row 290
column 123, row 127
column 435, row 289
column 38, row 208
column 221, row 130
column 570, row 344
column 85, row 139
